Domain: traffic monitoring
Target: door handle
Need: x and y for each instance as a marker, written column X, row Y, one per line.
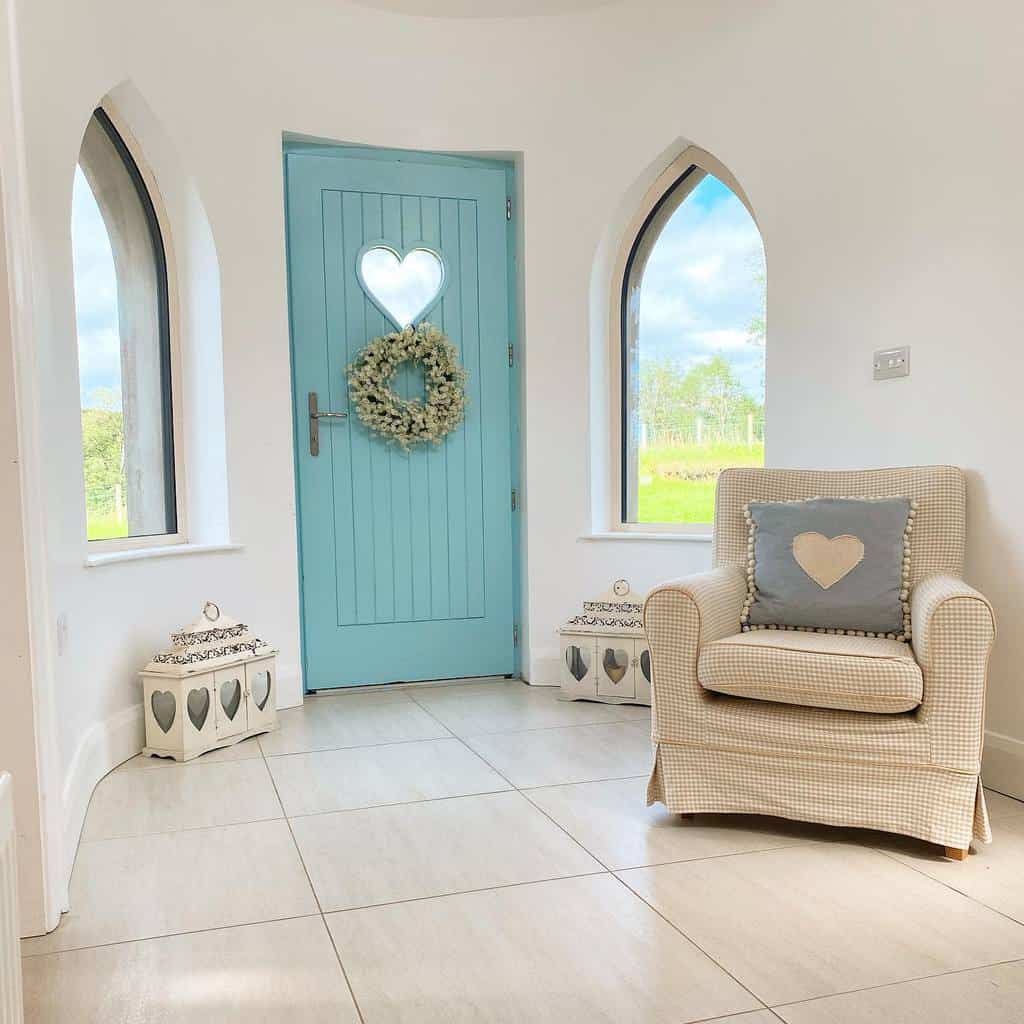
column 315, row 416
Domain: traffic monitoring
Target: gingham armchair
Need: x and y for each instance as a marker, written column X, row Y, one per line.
column 857, row 731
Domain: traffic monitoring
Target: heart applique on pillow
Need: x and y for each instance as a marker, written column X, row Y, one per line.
column 827, row 560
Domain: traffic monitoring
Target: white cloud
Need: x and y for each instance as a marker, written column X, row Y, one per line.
column 99, row 344
column 705, row 270
column 722, row 339
column 700, row 289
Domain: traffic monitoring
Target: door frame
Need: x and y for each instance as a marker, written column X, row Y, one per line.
column 514, row 294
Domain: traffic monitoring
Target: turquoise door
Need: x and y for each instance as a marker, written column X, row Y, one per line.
column 408, row 566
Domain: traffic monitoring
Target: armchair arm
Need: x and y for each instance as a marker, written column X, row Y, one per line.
column 953, row 628
column 680, row 617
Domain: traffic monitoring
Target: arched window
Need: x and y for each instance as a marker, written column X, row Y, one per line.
column 124, row 343
column 693, row 346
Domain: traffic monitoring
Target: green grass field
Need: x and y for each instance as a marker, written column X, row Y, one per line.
column 104, row 526
column 677, row 485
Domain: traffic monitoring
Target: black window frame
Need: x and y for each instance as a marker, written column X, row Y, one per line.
column 624, row 335
column 163, row 324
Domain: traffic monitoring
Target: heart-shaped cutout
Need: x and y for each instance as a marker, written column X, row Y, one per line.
column 645, row 664
column 261, row 688
column 164, row 707
column 615, row 664
column 576, row 660
column 827, row 560
column 230, row 697
column 198, row 706
column 403, row 287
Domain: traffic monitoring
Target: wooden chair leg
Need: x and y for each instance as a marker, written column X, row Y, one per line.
column 956, row 854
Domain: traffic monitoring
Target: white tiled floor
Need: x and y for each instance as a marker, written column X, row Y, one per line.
column 482, row 852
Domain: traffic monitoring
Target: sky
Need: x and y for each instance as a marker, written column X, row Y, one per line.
column 99, row 346
column 699, row 293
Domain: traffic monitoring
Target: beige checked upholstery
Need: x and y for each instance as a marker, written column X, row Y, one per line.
column 815, row 670
column 915, row 772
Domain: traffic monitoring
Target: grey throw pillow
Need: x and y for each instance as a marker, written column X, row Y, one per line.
column 830, row 564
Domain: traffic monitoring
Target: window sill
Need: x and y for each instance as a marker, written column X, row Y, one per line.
column 698, row 538
column 167, row 551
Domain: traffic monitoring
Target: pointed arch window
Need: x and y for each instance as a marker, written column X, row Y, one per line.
column 123, row 321
column 692, row 347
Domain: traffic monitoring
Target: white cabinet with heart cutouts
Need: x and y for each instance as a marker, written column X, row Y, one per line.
column 215, row 685
column 604, row 652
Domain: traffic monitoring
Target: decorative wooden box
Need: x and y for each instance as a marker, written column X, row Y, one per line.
column 215, row 685
column 604, row 651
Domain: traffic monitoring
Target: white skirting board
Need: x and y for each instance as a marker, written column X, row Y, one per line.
column 546, row 670
column 106, row 745
column 1002, row 766
column 100, row 750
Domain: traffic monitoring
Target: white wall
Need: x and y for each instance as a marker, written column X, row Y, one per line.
column 878, row 144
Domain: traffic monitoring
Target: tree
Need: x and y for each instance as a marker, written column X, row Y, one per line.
column 662, row 401
column 757, row 329
column 721, row 393
column 103, row 456
column 671, row 401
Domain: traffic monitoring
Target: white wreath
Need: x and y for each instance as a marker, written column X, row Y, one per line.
column 409, row 421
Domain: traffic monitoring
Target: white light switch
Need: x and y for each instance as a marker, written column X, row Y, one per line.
column 892, row 362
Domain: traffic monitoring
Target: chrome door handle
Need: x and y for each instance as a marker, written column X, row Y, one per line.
column 315, row 416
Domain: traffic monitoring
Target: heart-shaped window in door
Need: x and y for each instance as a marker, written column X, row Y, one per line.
column 261, row 688
column 577, row 660
column 164, row 708
column 403, row 285
column 198, row 704
column 231, row 697
column 615, row 664
column 645, row 664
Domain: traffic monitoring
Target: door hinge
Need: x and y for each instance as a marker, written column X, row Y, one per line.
column 515, row 635
column 508, row 207
column 511, row 354
column 515, row 499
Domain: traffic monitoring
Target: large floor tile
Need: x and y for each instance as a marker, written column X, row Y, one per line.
column 236, row 752
column 989, row 995
column 993, row 874
column 336, row 780
column 820, row 919
column 1001, row 806
column 325, row 723
column 384, row 854
column 147, row 886
column 473, row 685
column 612, row 821
column 133, row 803
column 754, row 1017
column 516, row 706
column 574, row 951
column 282, row 971
column 579, row 753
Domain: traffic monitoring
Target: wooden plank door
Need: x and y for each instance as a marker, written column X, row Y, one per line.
column 408, row 567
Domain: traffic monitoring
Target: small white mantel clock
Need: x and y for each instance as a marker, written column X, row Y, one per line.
column 605, row 656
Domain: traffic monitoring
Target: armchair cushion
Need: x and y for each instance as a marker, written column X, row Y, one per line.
column 817, row 670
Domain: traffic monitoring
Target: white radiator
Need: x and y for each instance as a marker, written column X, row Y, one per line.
column 10, row 947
